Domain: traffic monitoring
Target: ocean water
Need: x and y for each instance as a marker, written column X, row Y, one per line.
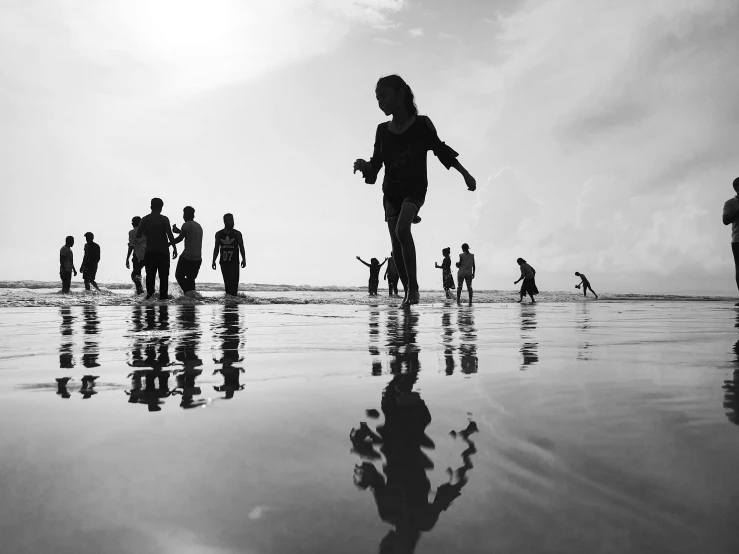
column 224, row 427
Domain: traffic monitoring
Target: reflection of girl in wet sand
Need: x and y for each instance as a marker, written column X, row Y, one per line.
column 529, row 284
column 402, row 494
column 374, row 280
column 446, row 273
column 401, row 145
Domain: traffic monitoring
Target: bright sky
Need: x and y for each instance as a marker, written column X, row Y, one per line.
column 603, row 134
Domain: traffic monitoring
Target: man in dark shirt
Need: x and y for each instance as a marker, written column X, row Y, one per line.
column 90, row 262
column 159, row 236
column 229, row 243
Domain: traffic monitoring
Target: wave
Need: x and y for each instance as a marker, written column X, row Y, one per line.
column 210, row 287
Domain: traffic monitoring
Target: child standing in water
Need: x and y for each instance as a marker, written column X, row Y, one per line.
column 66, row 264
column 401, row 145
column 391, row 274
column 466, row 273
column 529, row 285
column 447, row 280
column 585, row 285
column 374, row 280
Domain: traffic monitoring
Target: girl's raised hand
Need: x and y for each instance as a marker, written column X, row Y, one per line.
column 470, row 182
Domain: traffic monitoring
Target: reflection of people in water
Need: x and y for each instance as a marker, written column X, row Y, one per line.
column 186, row 353
column 529, row 346
column 731, row 387
column 155, row 357
column 583, row 324
column 87, row 389
column 90, row 348
column 468, row 341
column 374, row 337
column 230, row 334
column 402, row 493
column 66, row 357
column 446, row 339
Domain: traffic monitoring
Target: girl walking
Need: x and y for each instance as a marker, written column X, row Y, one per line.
column 401, row 146
column 527, row 276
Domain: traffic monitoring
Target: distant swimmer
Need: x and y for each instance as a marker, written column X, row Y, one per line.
column 466, row 272
column 447, row 280
column 585, row 284
column 528, row 286
column 401, row 146
column 229, row 243
column 731, row 215
column 391, row 274
column 188, row 266
column 158, row 232
column 89, row 267
column 66, row 264
column 374, row 279
column 137, row 247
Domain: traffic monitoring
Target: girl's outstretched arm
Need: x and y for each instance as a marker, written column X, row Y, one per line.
column 383, row 263
column 448, row 157
column 361, row 260
column 371, row 168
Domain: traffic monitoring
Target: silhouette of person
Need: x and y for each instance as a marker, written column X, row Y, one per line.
column 66, row 356
column 374, row 336
column 230, row 335
column 466, row 272
column 585, row 284
column 137, row 247
column 229, row 242
column 90, row 348
column 447, row 338
column 447, row 280
column 155, row 357
column 401, row 145
column 66, row 264
column 155, row 227
column 188, row 266
column 731, row 387
column 529, row 346
column 468, row 341
column 61, row 387
column 731, row 216
column 89, row 267
column 374, row 279
column 391, row 274
column 402, row 494
column 529, row 284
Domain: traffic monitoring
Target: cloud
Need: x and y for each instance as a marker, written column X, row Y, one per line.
column 416, row 32
column 386, row 41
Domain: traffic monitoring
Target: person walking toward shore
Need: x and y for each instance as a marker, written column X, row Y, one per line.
column 66, row 264
column 89, row 267
column 158, row 232
column 401, row 145
column 374, row 280
column 585, row 284
column 229, row 243
column 731, row 216
column 188, row 266
column 529, row 284
column 137, row 247
column 466, row 272
column 447, row 280
column 391, row 274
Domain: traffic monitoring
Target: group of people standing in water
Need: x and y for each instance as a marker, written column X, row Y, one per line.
column 401, row 146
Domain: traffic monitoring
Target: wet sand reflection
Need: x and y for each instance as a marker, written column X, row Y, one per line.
column 529, row 346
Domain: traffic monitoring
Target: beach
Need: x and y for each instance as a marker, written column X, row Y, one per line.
column 224, row 427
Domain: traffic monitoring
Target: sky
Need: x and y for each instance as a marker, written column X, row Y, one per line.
column 602, row 134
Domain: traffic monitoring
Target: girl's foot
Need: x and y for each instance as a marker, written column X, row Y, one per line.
column 519, row 301
column 414, row 297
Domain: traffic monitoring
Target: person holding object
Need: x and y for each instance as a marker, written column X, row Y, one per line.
column 585, row 285
column 188, row 266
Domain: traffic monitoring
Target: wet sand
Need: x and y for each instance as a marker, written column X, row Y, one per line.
column 602, row 427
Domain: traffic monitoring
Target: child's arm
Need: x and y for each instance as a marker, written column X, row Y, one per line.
column 384, row 277
column 383, row 263
column 448, row 157
column 371, row 168
column 361, row 260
